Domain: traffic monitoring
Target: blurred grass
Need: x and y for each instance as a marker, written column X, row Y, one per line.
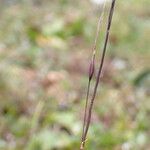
column 44, row 54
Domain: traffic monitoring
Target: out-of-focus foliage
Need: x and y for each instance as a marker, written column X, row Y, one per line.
column 44, row 54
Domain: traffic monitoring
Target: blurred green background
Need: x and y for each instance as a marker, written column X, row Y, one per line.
column 45, row 48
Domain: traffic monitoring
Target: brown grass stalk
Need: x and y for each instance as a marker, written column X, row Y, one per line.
column 88, row 111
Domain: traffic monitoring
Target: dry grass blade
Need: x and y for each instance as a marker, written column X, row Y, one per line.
column 88, row 116
column 92, row 68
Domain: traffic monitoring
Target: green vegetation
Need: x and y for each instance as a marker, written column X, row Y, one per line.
column 44, row 56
